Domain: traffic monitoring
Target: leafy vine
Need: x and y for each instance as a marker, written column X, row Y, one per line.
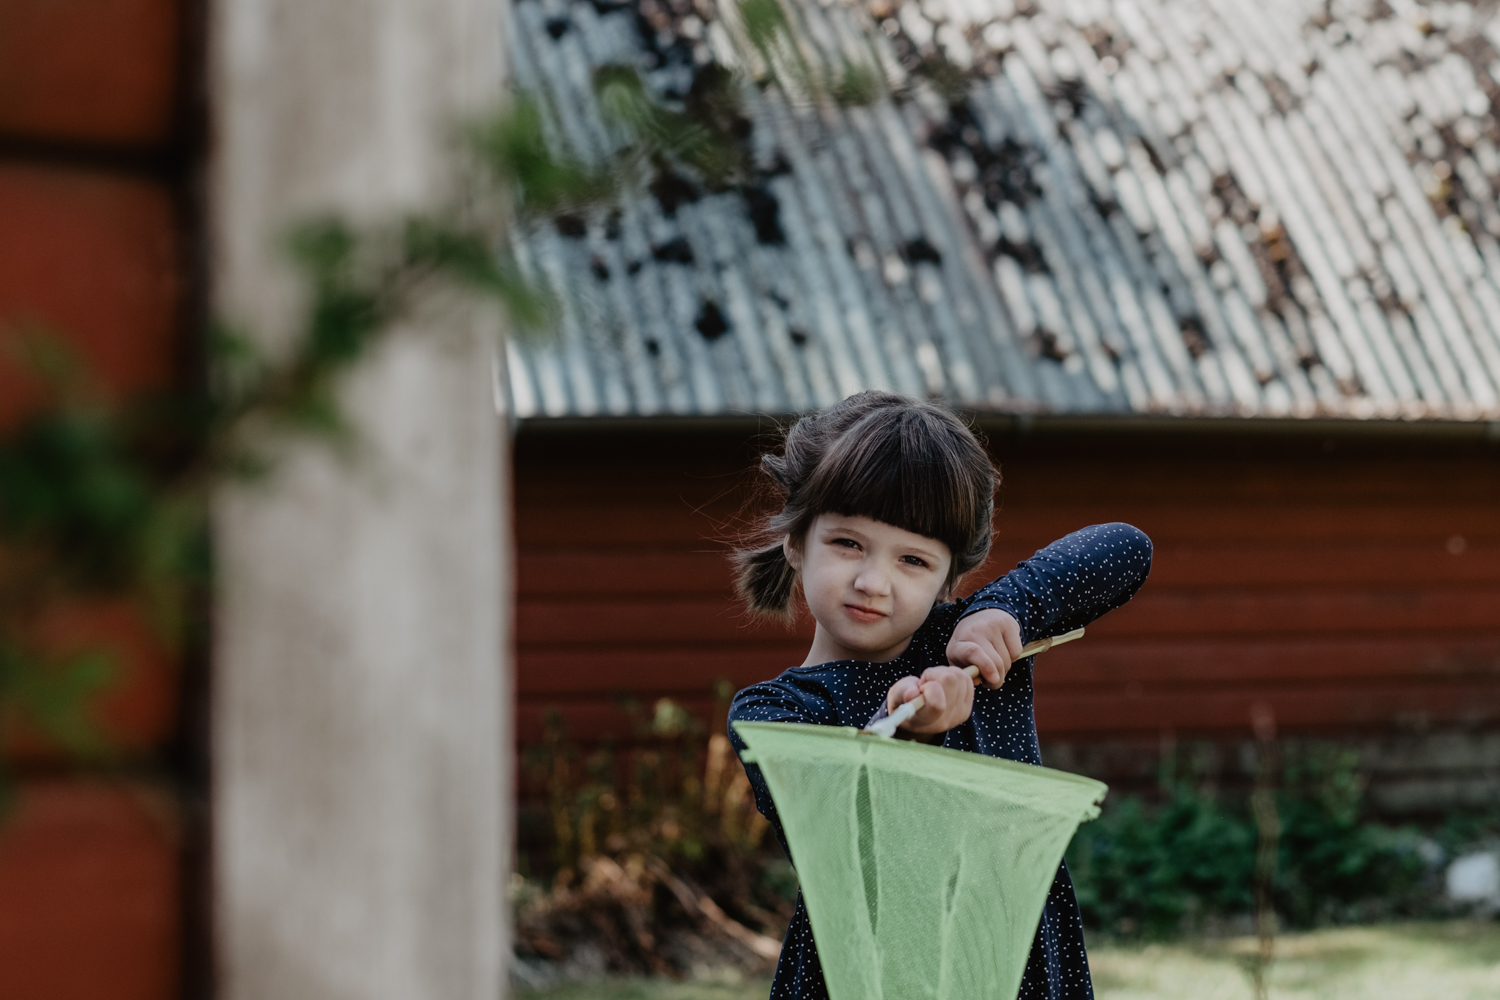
column 107, row 500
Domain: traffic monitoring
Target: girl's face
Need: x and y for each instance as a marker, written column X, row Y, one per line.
column 869, row 584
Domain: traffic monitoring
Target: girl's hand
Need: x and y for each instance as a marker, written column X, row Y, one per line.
column 988, row 639
column 949, row 695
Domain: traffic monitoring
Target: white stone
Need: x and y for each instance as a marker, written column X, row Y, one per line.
column 361, row 740
column 1474, row 878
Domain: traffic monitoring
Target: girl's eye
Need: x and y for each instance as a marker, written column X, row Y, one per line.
column 914, row 561
column 847, row 543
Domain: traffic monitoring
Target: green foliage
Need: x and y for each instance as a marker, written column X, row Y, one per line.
column 107, row 499
column 345, row 312
column 856, row 85
column 49, row 691
column 771, row 33
column 70, row 494
column 706, row 136
column 1462, row 831
column 765, row 22
column 82, row 518
column 1146, row 871
column 1333, row 862
column 539, row 179
column 1152, row 871
column 951, row 82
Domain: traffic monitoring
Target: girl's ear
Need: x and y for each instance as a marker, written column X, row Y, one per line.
column 793, row 553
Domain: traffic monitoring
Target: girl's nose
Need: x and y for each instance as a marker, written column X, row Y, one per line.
column 873, row 581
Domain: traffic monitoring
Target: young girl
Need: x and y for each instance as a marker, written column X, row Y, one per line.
column 887, row 503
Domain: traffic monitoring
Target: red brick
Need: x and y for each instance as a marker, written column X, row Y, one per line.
column 89, row 891
column 94, row 71
column 94, row 260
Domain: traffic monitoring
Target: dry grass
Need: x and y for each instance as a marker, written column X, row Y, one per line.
column 655, row 989
column 1454, row 960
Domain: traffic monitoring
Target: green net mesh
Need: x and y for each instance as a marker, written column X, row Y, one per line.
column 924, row 870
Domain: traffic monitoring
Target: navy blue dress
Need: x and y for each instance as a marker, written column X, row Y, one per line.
column 1066, row 585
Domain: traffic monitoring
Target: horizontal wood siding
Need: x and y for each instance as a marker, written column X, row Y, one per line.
column 1352, row 581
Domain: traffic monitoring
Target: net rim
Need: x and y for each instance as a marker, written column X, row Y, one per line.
column 905, row 754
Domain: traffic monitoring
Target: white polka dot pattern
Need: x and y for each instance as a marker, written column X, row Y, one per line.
column 1066, row 585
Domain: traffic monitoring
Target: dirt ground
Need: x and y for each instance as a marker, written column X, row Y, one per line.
column 1453, row 960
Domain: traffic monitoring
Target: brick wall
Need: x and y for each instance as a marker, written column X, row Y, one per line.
column 95, row 171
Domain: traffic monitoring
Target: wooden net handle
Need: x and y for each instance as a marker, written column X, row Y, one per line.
column 1030, row 649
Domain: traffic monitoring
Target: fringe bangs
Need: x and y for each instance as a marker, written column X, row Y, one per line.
column 919, row 472
column 901, row 461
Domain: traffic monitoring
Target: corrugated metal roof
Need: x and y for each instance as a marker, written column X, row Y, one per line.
column 1285, row 208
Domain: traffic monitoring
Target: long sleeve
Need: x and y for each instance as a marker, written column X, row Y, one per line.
column 1069, row 583
column 1075, row 580
column 788, row 698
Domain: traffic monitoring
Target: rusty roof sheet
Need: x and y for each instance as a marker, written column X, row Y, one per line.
column 1192, row 207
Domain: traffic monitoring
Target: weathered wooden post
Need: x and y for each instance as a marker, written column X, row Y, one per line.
column 361, row 708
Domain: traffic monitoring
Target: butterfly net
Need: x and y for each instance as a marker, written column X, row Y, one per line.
column 924, row 870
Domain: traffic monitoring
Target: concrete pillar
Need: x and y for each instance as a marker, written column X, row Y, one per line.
column 361, row 707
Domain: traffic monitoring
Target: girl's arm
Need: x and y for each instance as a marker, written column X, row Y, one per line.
column 785, row 699
column 1075, row 580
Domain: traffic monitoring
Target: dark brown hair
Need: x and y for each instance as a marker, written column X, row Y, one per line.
column 907, row 463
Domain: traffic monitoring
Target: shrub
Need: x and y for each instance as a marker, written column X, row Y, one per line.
column 638, row 849
column 1335, row 865
column 1189, row 861
column 650, row 855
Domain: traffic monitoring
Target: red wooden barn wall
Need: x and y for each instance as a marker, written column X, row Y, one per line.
column 93, row 168
column 1350, row 578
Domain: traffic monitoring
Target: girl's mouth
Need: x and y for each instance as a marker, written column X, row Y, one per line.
column 863, row 614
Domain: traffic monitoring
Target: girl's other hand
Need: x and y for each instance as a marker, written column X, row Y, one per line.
column 949, row 696
column 988, row 639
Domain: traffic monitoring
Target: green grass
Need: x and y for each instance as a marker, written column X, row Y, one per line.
column 1454, row 960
